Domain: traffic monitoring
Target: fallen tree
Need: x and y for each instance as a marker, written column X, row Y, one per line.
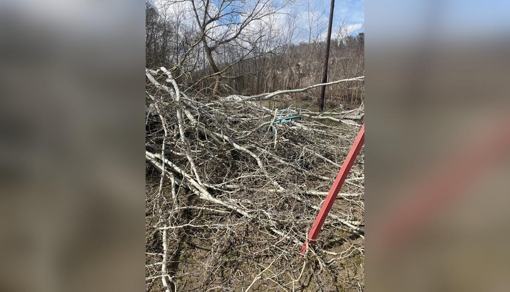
column 231, row 195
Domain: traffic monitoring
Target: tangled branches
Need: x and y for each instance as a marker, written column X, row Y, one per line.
column 230, row 196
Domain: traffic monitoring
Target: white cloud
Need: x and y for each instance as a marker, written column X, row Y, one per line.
column 175, row 10
column 301, row 21
column 350, row 28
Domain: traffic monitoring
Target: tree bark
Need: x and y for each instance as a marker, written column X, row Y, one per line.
column 214, row 68
column 326, row 59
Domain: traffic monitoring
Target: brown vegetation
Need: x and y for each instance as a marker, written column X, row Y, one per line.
column 248, row 62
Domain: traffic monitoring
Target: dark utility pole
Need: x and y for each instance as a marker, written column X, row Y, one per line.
column 326, row 59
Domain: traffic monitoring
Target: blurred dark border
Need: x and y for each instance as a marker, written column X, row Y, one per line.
column 437, row 145
column 72, row 140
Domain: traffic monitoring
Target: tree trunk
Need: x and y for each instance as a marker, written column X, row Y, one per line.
column 208, row 54
column 326, row 57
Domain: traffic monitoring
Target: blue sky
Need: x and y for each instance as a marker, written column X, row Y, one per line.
column 347, row 13
column 351, row 11
column 300, row 20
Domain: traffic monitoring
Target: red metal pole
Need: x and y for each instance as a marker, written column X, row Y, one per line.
column 335, row 189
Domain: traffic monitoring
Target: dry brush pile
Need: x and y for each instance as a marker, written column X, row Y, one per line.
column 230, row 198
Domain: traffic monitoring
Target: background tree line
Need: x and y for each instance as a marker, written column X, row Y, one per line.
column 249, row 47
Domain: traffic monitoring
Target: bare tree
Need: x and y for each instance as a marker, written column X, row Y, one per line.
column 226, row 21
column 314, row 21
column 248, row 47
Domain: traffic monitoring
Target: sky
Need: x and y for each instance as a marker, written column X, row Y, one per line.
column 348, row 14
column 308, row 17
